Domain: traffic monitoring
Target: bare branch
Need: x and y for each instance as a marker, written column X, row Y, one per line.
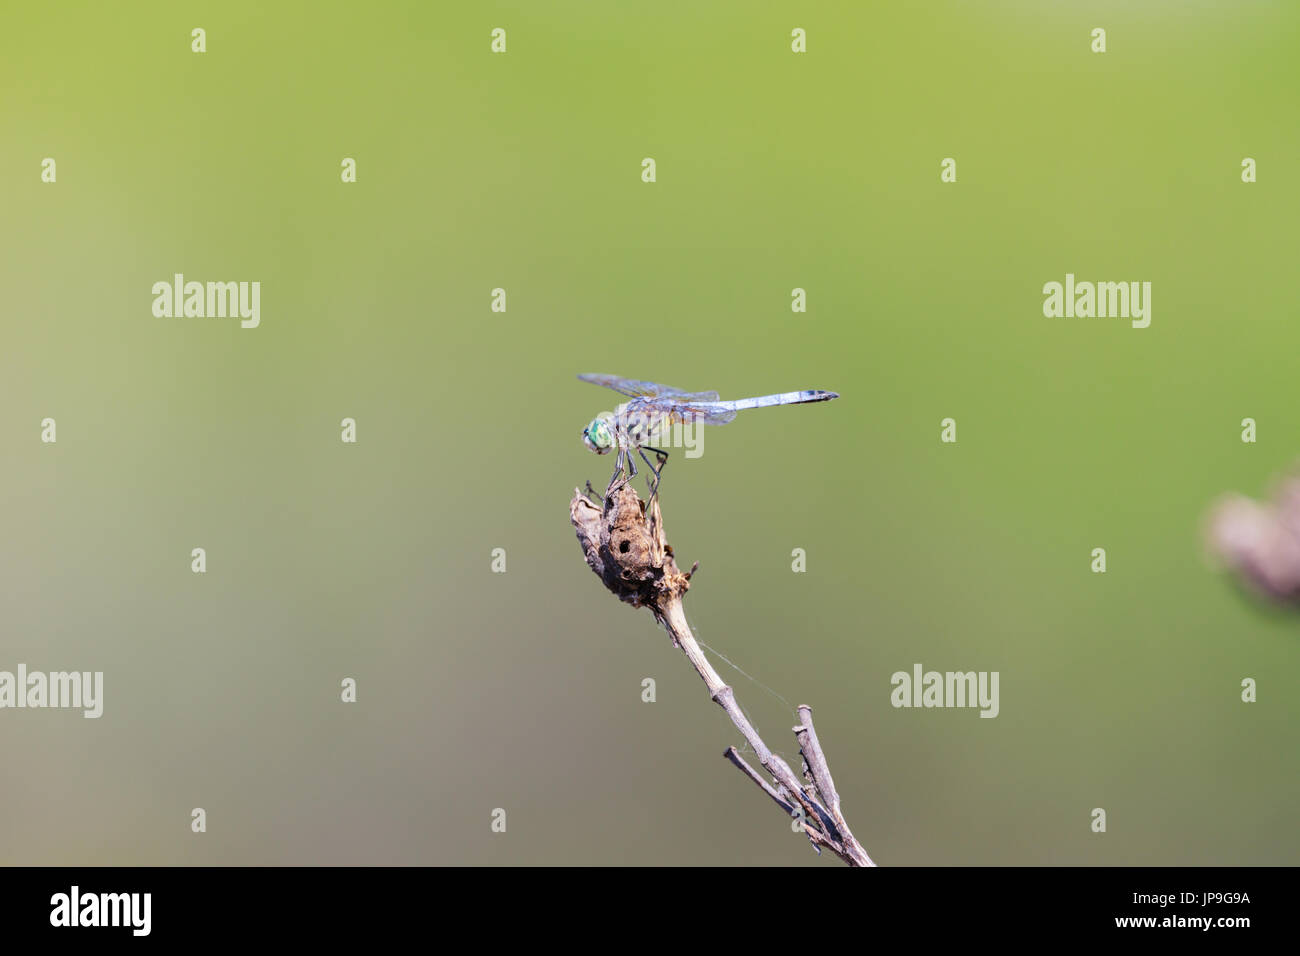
column 734, row 756
column 624, row 544
column 811, row 748
column 815, row 835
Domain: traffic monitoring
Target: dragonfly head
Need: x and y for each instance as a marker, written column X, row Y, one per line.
column 597, row 437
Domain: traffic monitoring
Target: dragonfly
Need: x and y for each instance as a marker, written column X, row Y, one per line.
column 652, row 407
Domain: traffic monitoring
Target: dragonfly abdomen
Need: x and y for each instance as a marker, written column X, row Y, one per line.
column 782, row 398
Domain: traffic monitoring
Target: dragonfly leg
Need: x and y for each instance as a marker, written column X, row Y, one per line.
column 662, row 456
column 614, row 483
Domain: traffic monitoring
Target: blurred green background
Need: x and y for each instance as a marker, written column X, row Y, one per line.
column 522, row 690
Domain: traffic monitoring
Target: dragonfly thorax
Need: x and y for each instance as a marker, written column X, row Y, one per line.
column 597, row 437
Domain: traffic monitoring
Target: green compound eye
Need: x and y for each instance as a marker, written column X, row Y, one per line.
column 596, row 436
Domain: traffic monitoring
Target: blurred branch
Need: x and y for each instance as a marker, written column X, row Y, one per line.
column 1260, row 541
column 624, row 544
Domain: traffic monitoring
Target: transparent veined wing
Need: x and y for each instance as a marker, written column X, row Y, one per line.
column 695, row 396
column 679, row 408
column 690, row 408
column 633, row 388
column 636, row 388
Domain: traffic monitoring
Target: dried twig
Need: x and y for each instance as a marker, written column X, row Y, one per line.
column 623, row 542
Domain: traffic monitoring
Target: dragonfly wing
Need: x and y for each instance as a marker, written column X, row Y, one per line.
column 694, row 396
column 706, row 413
column 633, row 388
column 636, row 388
